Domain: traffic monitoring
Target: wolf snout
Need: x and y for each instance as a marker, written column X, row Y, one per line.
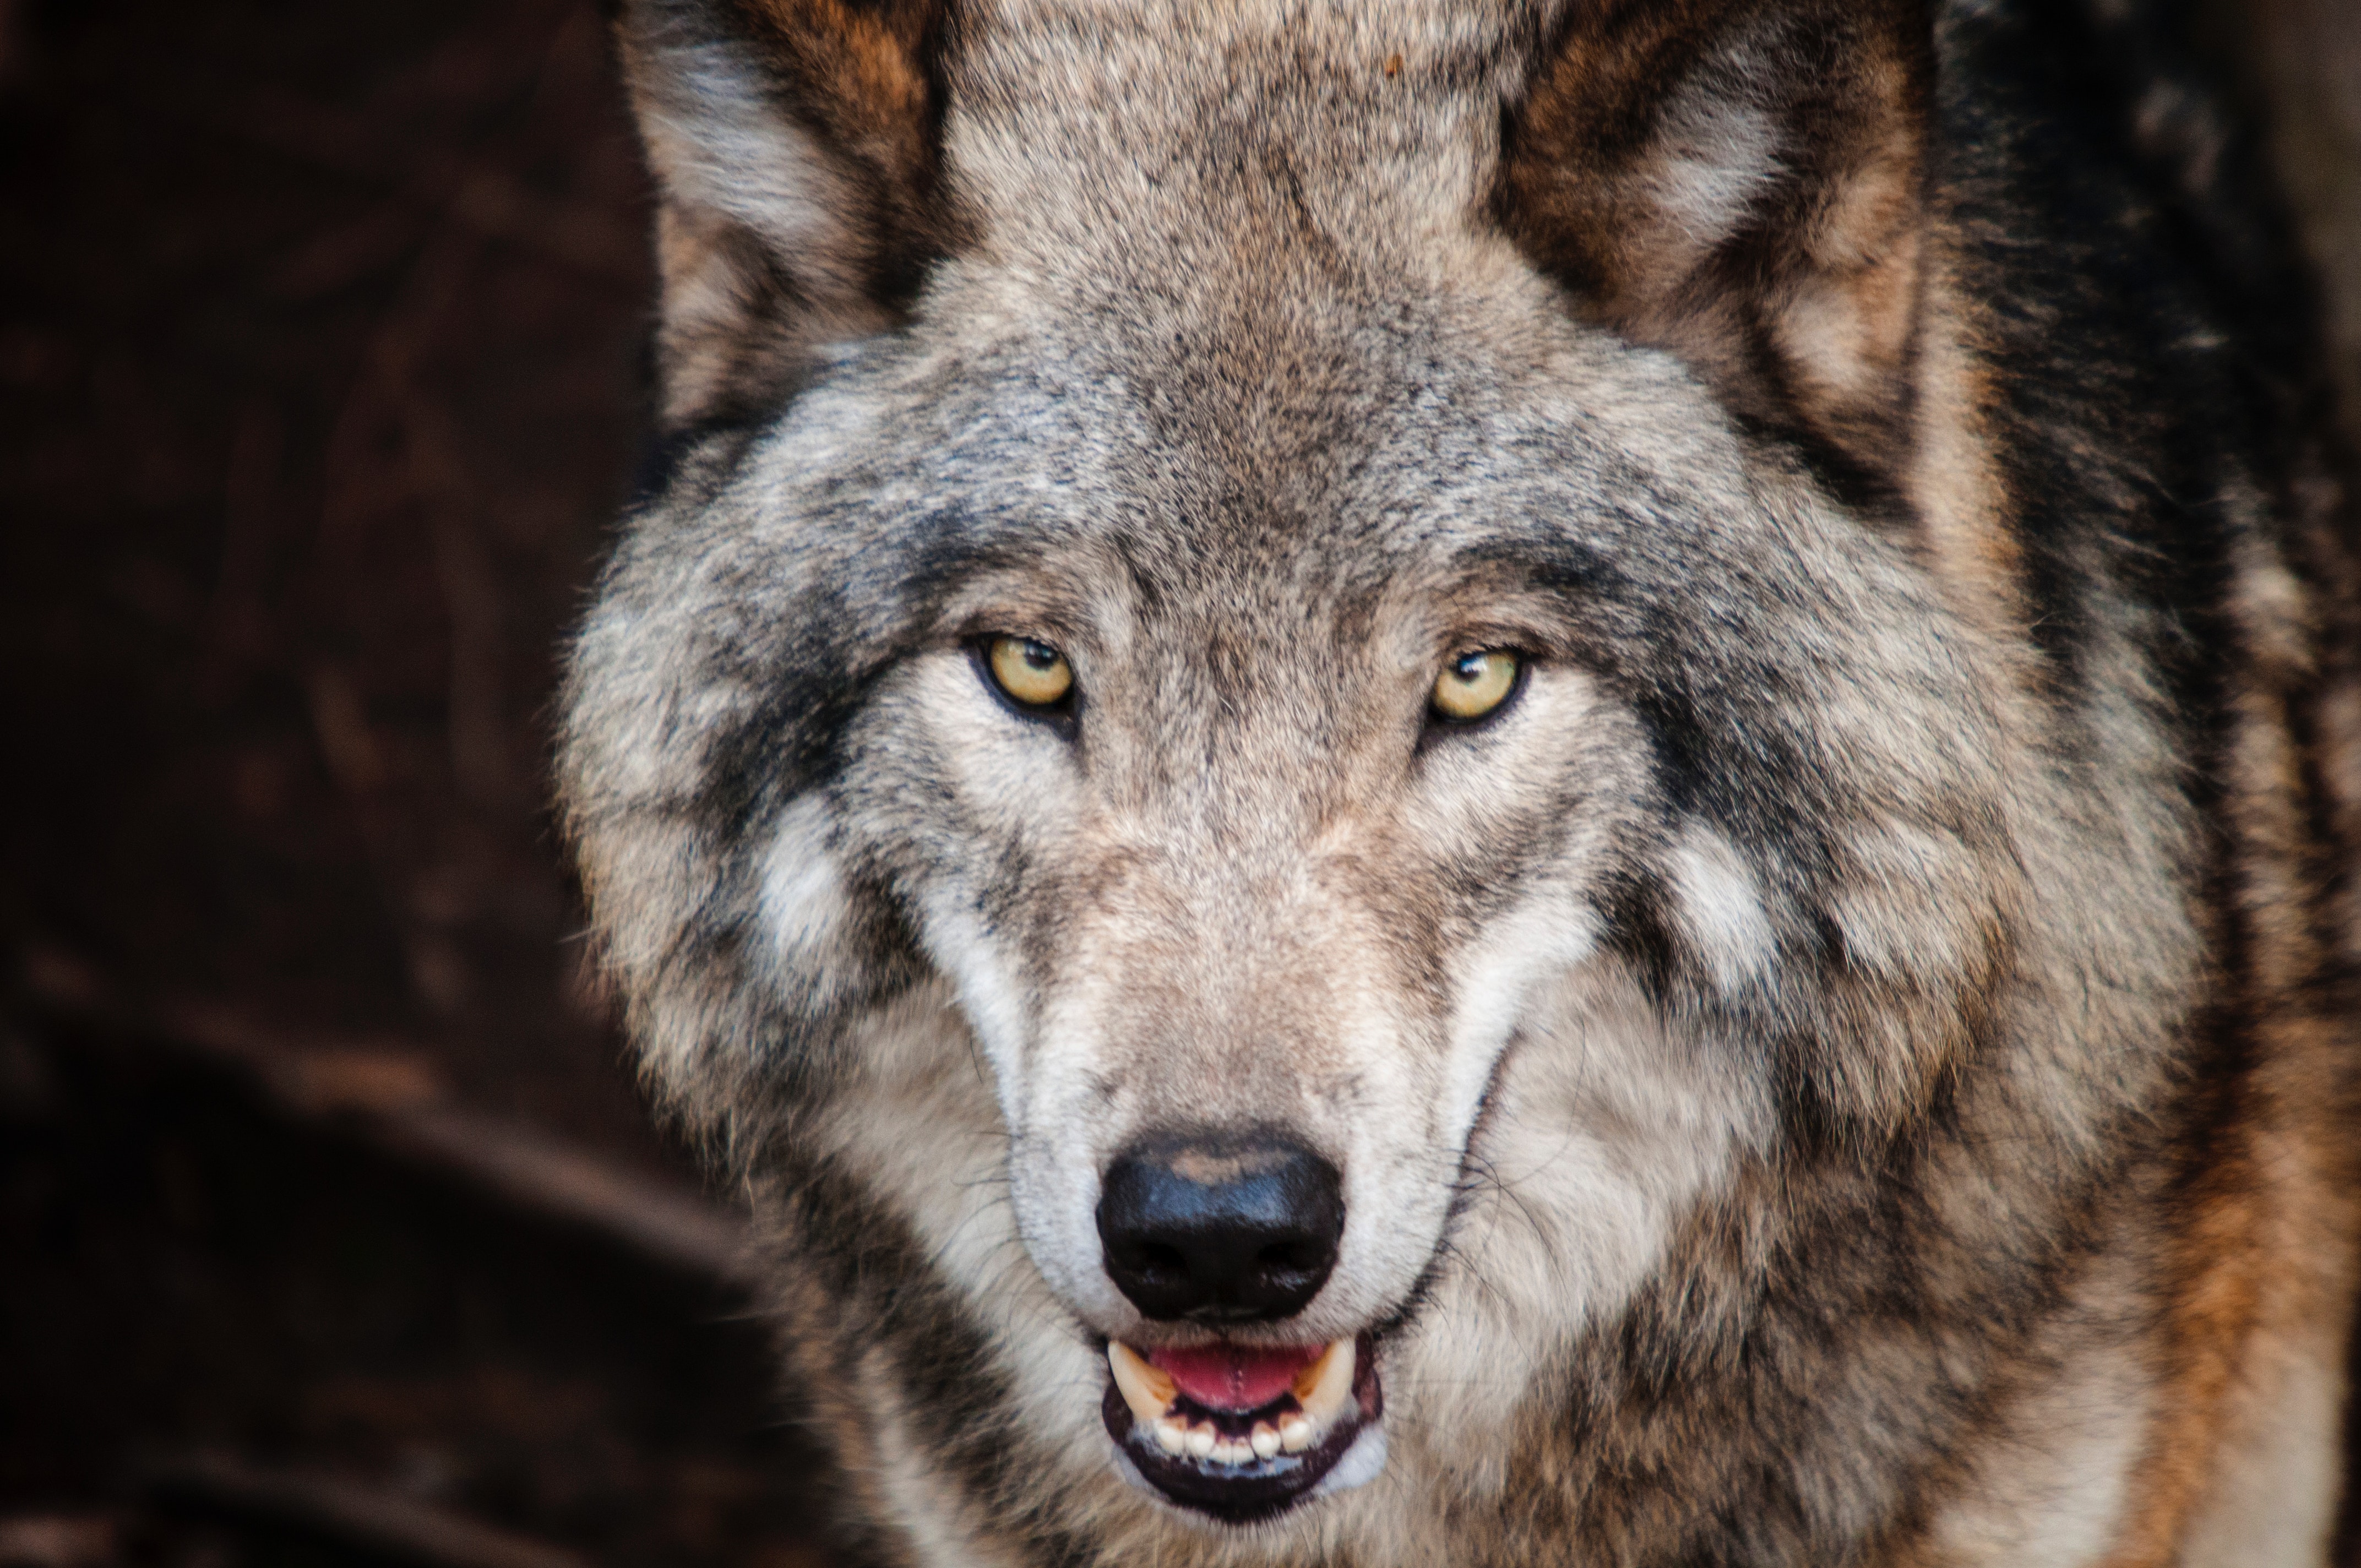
column 1221, row 1229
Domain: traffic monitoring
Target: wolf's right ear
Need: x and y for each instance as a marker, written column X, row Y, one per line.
column 797, row 153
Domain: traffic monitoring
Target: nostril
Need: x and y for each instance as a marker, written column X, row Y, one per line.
column 1155, row 1259
column 1220, row 1227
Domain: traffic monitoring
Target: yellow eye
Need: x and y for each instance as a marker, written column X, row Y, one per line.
column 1033, row 673
column 1473, row 684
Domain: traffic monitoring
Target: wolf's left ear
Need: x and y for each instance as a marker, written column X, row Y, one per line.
column 1740, row 181
column 796, row 150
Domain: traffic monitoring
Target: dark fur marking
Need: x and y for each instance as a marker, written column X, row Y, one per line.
column 713, row 446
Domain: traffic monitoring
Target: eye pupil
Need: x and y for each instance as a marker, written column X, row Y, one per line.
column 1040, row 655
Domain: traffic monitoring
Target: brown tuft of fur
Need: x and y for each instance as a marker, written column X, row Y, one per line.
column 837, row 111
column 1742, row 182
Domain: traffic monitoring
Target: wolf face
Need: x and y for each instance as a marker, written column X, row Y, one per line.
column 1246, row 880
column 1294, row 730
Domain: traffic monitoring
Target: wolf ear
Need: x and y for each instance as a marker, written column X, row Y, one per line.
column 796, row 150
column 1740, row 181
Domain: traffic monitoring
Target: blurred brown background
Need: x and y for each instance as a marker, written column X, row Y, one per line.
column 332, row 1229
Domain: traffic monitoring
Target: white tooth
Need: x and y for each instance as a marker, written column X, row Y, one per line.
column 1147, row 1391
column 1295, row 1433
column 1265, row 1439
column 1201, row 1440
column 1324, row 1386
column 1171, row 1435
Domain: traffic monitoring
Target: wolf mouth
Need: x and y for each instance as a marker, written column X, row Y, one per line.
column 1244, row 1432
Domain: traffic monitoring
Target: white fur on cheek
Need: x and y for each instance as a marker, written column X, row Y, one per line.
column 986, row 985
column 1039, row 1073
column 1007, row 774
column 1548, row 932
column 1055, row 1176
column 1722, row 906
column 803, row 896
column 1543, row 936
column 926, row 1132
column 1605, row 1127
column 994, row 764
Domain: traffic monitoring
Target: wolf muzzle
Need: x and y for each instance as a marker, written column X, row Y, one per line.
column 1220, row 1230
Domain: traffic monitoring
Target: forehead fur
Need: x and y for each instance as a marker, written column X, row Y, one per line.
column 1256, row 201
column 1254, row 138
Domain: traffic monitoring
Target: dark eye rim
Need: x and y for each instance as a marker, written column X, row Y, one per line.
column 1439, row 724
column 1059, row 715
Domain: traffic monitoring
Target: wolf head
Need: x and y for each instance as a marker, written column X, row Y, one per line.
column 1290, row 654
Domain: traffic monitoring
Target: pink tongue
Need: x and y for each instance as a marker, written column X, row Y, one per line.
column 1233, row 1376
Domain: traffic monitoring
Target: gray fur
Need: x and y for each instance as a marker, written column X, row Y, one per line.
column 1760, row 1061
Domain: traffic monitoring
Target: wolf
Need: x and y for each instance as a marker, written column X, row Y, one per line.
column 1496, row 781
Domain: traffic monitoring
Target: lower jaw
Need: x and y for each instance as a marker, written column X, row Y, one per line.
column 1242, row 1486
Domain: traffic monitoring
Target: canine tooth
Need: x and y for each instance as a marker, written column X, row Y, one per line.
column 1265, row 1440
column 1201, row 1440
column 1147, row 1391
column 1323, row 1387
column 1314, row 1371
column 1295, row 1434
column 1171, row 1435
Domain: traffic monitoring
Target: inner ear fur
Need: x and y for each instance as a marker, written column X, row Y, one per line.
column 796, row 147
column 1741, row 182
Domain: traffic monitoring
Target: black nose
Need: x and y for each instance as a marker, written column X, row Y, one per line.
column 1240, row 1229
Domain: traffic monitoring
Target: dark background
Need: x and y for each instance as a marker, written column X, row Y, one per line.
column 332, row 1229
